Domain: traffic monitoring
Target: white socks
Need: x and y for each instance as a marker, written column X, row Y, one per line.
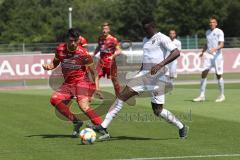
column 203, row 86
column 118, row 104
column 168, row 116
column 113, row 111
column 221, row 86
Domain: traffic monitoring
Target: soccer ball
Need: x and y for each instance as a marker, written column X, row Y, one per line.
column 87, row 136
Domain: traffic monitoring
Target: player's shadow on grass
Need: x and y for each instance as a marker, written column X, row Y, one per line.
column 51, row 136
column 137, row 138
column 190, row 100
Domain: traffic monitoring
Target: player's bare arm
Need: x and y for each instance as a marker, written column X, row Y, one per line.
column 116, row 53
column 173, row 55
column 52, row 65
column 95, row 78
column 85, row 46
column 203, row 50
column 220, row 45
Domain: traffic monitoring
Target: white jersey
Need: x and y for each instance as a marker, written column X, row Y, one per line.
column 178, row 44
column 155, row 49
column 214, row 60
column 172, row 67
column 213, row 38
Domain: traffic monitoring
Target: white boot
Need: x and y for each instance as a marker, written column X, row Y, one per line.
column 199, row 99
column 221, row 98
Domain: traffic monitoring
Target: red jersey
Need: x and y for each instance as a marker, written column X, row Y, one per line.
column 73, row 63
column 108, row 46
column 82, row 41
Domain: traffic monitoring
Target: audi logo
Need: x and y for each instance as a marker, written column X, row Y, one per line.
column 189, row 62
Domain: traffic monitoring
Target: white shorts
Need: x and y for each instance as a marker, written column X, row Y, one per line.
column 172, row 69
column 215, row 62
column 156, row 86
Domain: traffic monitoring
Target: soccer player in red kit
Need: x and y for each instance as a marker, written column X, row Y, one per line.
column 109, row 48
column 75, row 61
column 82, row 41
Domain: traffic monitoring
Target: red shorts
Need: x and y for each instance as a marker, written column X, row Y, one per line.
column 110, row 72
column 83, row 89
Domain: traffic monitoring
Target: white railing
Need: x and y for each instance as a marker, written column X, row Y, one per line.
column 187, row 43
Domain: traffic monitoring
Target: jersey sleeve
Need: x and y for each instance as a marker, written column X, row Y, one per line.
column 221, row 36
column 86, row 57
column 167, row 43
column 59, row 51
column 117, row 43
column 84, row 41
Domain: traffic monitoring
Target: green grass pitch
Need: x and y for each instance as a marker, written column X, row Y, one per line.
column 29, row 128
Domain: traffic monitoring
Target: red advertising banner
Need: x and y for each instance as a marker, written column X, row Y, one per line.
column 14, row 67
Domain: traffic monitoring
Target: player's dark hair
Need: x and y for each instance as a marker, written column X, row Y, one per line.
column 172, row 30
column 73, row 32
column 79, row 30
column 148, row 20
column 106, row 24
column 213, row 17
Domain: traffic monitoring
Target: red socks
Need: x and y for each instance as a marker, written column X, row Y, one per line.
column 64, row 110
column 93, row 116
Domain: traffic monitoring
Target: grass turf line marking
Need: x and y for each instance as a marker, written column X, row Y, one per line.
column 185, row 157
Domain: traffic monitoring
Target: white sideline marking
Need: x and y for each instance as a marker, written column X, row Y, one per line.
column 184, row 157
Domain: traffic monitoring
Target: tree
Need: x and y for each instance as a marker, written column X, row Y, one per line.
column 33, row 20
column 88, row 15
column 189, row 17
column 231, row 23
column 128, row 16
column 47, row 20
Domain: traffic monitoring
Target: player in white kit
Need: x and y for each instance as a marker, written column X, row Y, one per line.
column 173, row 65
column 155, row 47
column 213, row 58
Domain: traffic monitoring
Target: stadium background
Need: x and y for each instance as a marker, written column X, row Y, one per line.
column 29, row 127
column 36, row 26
